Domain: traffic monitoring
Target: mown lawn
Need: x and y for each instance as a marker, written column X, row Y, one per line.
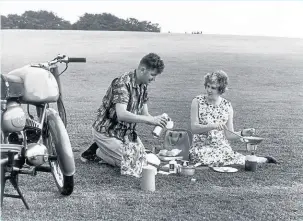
column 266, row 93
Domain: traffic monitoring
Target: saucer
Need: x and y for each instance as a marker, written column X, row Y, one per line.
column 225, row 169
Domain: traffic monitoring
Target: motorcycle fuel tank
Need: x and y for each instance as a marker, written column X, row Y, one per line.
column 13, row 118
column 40, row 86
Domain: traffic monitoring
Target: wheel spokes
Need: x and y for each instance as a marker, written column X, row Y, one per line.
column 54, row 163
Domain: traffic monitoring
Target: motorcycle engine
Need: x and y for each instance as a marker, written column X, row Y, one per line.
column 13, row 118
column 36, row 154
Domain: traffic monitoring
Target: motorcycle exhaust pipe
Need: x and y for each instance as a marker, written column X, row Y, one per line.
column 46, row 169
column 31, row 171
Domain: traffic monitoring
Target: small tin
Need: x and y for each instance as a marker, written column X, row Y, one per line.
column 185, row 163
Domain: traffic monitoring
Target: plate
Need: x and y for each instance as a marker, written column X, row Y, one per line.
column 225, row 169
column 253, row 140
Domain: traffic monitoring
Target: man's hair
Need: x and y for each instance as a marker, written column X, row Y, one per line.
column 218, row 77
column 153, row 61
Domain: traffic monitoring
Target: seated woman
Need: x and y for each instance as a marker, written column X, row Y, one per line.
column 211, row 114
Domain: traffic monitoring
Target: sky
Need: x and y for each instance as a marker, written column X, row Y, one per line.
column 261, row 18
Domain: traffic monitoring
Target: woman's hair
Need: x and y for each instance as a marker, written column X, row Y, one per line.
column 153, row 61
column 218, row 77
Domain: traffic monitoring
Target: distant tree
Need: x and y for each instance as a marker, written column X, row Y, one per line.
column 48, row 20
column 11, row 21
column 110, row 22
column 34, row 20
column 43, row 20
column 4, row 22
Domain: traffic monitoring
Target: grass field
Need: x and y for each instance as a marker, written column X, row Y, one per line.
column 266, row 93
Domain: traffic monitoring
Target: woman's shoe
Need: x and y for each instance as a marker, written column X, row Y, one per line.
column 271, row 160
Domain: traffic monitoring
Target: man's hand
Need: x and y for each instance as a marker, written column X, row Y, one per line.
column 158, row 120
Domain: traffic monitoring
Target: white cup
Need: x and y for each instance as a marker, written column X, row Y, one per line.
column 170, row 124
column 148, row 178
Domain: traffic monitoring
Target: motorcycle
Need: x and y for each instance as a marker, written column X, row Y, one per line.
column 39, row 143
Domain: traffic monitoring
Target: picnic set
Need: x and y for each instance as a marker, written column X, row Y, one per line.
column 174, row 157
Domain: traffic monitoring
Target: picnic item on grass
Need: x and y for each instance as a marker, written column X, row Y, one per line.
column 178, row 139
column 170, row 153
column 251, row 163
column 187, row 170
column 164, row 158
column 197, row 164
column 173, row 166
column 152, row 159
column 225, row 169
column 185, row 163
column 148, row 178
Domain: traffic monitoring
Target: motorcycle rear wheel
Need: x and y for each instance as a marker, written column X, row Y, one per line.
column 65, row 184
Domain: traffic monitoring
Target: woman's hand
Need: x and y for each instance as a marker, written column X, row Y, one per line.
column 219, row 126
column 248, row 132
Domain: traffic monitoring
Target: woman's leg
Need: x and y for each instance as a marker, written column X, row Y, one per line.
column 266, row 160
column 261, row 160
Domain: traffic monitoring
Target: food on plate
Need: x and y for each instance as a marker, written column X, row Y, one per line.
column 170, row 153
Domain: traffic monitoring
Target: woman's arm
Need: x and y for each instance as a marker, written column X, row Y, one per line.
column 196, row 127
column 230, row 126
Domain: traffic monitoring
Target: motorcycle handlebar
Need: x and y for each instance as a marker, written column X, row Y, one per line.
column 65, row 59
column 76, row 59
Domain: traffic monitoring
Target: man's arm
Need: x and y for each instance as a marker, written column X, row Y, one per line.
column 126, row 116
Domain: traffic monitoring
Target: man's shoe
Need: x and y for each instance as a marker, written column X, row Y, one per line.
column 90, row 154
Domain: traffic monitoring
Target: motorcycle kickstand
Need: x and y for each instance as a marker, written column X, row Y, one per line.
column 13, row 180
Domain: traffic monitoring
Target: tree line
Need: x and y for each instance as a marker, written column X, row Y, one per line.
column 48, row 20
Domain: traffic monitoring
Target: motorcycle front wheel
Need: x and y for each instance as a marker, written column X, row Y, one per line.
column 64, row 183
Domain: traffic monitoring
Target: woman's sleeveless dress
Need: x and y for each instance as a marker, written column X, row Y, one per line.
column 212, row 148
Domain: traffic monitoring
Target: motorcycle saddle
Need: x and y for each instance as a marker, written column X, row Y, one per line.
column 12, row 86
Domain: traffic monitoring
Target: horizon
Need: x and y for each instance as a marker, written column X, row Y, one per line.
column 171, row 33
column 267, row 19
